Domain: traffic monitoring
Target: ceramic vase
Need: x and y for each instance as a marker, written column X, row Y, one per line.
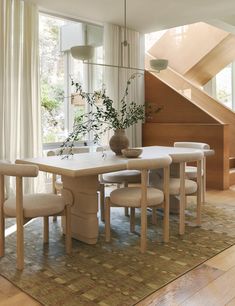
column 118, row 141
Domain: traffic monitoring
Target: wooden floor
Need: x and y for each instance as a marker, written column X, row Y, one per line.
column 212, row 283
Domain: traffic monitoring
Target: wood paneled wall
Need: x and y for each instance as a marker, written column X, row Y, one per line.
column 182, row 120
column 216, row 135
column 175, row 106
column 217, row 112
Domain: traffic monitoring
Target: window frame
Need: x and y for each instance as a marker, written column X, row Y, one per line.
column 89, row 76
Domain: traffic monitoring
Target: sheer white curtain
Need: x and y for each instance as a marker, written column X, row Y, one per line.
column 115, row 79
column 20, row 124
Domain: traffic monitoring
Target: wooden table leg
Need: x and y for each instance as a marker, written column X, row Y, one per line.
column 84, row 220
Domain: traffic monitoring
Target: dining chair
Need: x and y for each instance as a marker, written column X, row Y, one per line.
column 181, row 186
column 141, row 197
column 191, row 171
column 26, row 207
column 124, row 177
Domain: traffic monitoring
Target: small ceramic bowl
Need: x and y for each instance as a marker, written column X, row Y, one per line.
column 131, row 152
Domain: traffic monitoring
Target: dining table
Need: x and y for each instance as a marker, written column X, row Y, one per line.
column 80, row 174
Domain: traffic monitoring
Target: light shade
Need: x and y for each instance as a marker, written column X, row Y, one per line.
column 83, row 53
column 158, row 64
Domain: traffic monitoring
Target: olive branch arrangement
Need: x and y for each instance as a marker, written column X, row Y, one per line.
column 104, row 117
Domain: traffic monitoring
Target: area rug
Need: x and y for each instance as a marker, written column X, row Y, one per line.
column 116, row 273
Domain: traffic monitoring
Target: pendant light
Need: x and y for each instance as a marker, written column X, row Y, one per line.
column 85, row 53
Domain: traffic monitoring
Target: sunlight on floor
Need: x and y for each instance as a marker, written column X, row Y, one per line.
column 12, row 229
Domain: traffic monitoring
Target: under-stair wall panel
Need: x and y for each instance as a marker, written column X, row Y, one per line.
column 174, row 106
column 216, row 135
column 183, row 120
column 195, row 96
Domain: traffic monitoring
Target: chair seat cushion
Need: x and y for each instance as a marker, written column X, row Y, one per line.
column 36, row 205
column 191, row 172
column 125, row 176
column 131, row 196
column 174, row 186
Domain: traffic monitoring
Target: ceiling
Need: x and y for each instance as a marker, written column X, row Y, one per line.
column 144, row 15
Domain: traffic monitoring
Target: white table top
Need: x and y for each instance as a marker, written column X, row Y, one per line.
column 92, row 163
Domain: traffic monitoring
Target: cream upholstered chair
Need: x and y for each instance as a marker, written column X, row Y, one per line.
column 191, row 171
column 182, row 187
column 124, row 177
column 141, row 197
column 25, row 207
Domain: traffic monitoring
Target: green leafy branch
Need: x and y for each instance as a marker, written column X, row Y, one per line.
column 103, row 117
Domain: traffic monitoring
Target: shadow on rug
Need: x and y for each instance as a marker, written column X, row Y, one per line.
column 116, row 273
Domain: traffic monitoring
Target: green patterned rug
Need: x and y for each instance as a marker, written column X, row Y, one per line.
column 116, row 273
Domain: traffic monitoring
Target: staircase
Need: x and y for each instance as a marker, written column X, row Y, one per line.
column 200, row 51
column 188, row 112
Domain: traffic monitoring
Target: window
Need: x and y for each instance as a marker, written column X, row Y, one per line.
column 59, row 106
column 52, row 74
column 222, row 86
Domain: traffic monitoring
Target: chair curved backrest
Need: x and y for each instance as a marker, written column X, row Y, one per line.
column 9, row 169
column 102, row 148
column 182, row 159
column 191, row 144
column 51, row 153
column 68, row 150
column 77, row 150
column 149, row 163
column 186, row 157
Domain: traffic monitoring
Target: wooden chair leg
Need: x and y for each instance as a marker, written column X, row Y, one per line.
column 143, row 238
column 102, row 208
column 20, row 245
column 199, row 193
column 19, row 224
column 166, row 221
column 182, row 215
column 143, row 216
column 203, row 191
column 45, row 229
column 2, row 235
column 154, row 215
column 132, row 220
column 107, row 220
column 182, row 200
column 166, row 206
column 203, row 186
column 166, row 224
column 126, row 210
column 2, row 217
column 68, row 234
column 198, row 211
